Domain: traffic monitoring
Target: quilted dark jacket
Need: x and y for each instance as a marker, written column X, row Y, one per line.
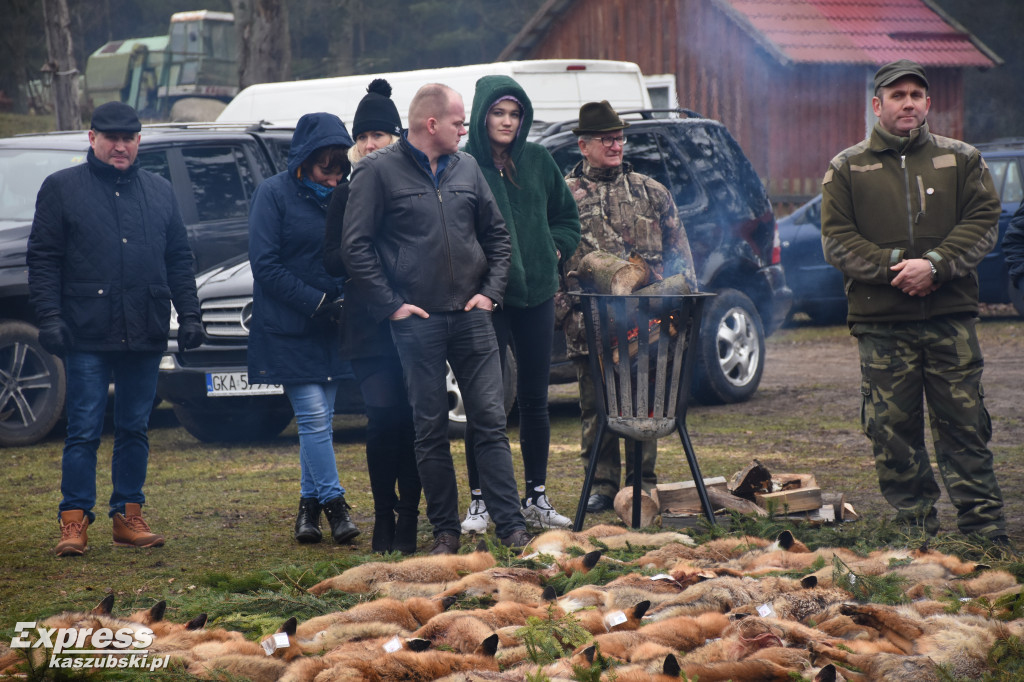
column 108, row 252
column 287, row 345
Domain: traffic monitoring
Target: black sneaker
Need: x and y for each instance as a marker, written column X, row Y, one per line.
column 518, row 540
column 342, row 528
column 445, row 543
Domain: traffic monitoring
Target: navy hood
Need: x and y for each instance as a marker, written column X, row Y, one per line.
column 312, row 132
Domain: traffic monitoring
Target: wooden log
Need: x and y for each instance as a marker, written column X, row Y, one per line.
column 754, row 478
column 623, row 504
column 670, row 286
column 682, row 496
column 726, row 500
column 601, row 272
column 789, row 501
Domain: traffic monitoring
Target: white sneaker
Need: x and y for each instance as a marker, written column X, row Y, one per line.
column 538, row 512
column 477, row 518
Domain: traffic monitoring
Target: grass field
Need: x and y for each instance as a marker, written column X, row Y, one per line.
column 227, row 511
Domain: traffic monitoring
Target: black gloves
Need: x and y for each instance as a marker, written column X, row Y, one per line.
column 331, row 308
column 190, row 334
column 55, row 336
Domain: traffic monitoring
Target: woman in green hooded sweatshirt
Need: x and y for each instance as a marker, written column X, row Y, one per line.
column 544, row 227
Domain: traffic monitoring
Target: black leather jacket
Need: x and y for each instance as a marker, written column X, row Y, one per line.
column 407, row 241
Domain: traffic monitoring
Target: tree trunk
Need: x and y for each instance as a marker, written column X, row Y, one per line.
column 62, row 62
column 264, row 47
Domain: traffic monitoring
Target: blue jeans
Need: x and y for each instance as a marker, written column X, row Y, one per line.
column 88, row 381
column 313, row 405
column 466, row 340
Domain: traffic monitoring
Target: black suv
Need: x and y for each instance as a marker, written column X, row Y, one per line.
column 732, row 234
column 214, row 170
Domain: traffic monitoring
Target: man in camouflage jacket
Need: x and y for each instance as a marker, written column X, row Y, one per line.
column 621, row 212
column 907, row 216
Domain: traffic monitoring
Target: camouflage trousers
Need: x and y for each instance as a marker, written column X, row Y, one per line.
column 609, row 464
column 937, row 362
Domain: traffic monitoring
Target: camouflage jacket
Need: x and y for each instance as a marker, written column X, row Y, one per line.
column 621, row 212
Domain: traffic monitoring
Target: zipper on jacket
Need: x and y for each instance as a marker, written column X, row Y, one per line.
column 906, row 190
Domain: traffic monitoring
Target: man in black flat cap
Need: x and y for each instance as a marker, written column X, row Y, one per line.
column 107, row 255
column 621, row 212
column 907, row 215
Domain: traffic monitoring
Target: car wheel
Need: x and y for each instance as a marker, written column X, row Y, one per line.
column 457, row 409
column 730, row 356
column 32, row 386
column 232, row 426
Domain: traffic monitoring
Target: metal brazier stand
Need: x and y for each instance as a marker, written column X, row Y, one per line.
column 645, row 388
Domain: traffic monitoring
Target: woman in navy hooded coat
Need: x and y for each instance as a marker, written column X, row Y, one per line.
column 293, row 339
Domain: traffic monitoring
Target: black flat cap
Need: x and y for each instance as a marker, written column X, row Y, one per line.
column 115, row 117
column 893, row 71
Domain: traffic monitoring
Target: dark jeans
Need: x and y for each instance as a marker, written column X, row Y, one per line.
column 88, row 381
column 466, row 340
column 532, row 330
column 390, row 436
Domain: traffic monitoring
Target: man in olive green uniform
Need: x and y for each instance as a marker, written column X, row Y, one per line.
column 620, row 212
column 907, row 216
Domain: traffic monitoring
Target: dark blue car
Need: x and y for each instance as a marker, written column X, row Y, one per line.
column 818, row 287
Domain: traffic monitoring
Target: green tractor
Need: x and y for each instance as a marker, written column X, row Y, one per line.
column 188, row 74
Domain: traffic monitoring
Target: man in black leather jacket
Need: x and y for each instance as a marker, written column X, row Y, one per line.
column 425, row 244
column 1013, row 248
column 107, row 255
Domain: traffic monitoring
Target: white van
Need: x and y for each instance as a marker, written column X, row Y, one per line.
column 557, row 88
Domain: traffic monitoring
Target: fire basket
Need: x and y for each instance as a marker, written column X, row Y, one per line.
column 642, row 349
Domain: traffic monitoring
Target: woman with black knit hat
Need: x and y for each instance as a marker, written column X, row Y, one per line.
column 390, row 458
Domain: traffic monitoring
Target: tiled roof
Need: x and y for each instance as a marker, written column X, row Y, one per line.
column 858, row 32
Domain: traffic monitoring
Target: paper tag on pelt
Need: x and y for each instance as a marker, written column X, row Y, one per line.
column 766, row 611
column 392, row 645
column 268, row 645
column 281, row 640
column 615, row 618
column 662, row 576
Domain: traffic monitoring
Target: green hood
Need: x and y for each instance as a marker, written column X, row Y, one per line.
column 488, row 90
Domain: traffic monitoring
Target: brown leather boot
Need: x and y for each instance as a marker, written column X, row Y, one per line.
column 73, row 539
column 131, row 530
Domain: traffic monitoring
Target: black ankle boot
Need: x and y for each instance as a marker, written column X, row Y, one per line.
column 342, row 528
column 383, row 532
column 307, row 523
column 405, row 534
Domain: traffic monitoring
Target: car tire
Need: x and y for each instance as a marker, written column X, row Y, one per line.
column 33, row 386
column 730, row 357
column 457, row 409
column 232, row 426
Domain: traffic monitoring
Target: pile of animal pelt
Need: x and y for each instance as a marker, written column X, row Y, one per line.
column 735, row 608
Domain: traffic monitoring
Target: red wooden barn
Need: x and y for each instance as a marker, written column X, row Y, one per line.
column 792, row 79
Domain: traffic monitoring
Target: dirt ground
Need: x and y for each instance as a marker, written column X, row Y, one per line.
column 810, row 385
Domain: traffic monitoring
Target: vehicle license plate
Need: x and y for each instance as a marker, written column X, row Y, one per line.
column 220, row 384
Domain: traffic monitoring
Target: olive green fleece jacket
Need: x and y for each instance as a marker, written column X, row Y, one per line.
column 889, row 199
column 538, row 209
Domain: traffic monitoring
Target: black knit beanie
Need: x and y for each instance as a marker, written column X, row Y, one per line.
column 376, row 111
